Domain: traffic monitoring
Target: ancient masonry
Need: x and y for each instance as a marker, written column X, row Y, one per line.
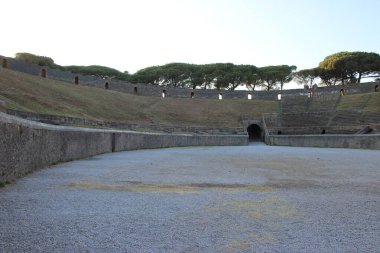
column 27, row 145
column 152, row 90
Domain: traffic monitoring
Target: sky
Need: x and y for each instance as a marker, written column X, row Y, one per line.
column 129, row 35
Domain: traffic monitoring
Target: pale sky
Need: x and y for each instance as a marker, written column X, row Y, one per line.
column 134, row 34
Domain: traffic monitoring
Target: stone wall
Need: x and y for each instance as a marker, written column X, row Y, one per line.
column 306, row 134
column 63, row 120
column 26, row 146
column 152, row 90
column 368, row 141
column 328, row 122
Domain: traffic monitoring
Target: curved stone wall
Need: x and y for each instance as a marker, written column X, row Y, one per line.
column 26, row 146
column 152, row 90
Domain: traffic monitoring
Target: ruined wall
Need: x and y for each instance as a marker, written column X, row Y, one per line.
column 151, row 90
column 26, row 146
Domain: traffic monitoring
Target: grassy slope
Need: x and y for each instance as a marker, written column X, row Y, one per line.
column 367, row 102
column 30, row 93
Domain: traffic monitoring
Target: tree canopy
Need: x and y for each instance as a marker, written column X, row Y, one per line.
column 37, row 59
column 218, row 76
column 99, row 71
column 350, row 67
column 338, row 68
column 307, row 76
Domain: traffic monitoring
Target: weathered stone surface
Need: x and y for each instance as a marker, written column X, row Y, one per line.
column 26, row 145
column 370, row 141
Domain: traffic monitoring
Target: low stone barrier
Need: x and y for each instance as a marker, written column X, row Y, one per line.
column 26, row 146
column 368, row 141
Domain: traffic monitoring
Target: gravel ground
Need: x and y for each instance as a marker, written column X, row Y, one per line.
column 207, row 199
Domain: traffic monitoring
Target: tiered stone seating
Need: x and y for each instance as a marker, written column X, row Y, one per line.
column 349, row 117
column 345, row 118
column 304, row 119
column 323, row 102
column 293, row 104
column 371, row 117
column 325, row 114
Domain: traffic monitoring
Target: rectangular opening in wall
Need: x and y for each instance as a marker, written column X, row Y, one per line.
column 4, row 63
column 249, row 96
column 43, row 73
column 220, row 96
column 278, row 96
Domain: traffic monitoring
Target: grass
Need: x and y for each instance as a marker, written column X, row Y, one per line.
column 31, row 93
column 366, row 102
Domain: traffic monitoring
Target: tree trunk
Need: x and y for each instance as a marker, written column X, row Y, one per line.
column 360, row 77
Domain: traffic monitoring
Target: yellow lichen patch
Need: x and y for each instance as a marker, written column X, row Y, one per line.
column 237, row 245
column 259, row 188
column 171, row 188
column 281, row 212
column 266, row 238
column 166, row 188
column 268, row 207
column 254, row 188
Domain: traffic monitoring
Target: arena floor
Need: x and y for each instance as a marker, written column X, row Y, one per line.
column 256, row 198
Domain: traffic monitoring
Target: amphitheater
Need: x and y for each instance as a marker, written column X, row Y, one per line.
column 262, row 171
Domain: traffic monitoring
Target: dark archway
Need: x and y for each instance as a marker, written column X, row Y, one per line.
column 107, row 86
column 4, row 63
column 254, row 132
column 341, row 92
column 192, row 95
column 135, row 90
column 76, row 80
column 377, row 88
column 43, row 73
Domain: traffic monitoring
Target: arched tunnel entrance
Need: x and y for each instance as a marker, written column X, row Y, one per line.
column 254, row 132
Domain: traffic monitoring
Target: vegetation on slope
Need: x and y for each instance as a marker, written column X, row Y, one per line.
column 366, row 102
column 30, row 93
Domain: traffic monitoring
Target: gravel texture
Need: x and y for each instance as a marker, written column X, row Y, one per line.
column 208, row 199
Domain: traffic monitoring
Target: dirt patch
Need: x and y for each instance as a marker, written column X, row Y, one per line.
column 135, row 186
column 272, row 207
column 269, row 211
column 239, row 245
